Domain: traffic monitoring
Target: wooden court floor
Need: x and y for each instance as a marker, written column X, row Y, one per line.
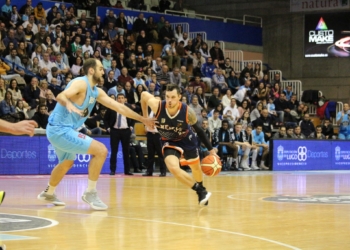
column 247, row 210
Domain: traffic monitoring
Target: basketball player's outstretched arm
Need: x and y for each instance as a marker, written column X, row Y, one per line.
column 108, row 102
column 192, row 119
column 19, row 128
column 148, row 100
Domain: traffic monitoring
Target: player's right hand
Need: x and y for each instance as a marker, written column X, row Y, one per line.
column 25, row 127
column 71, row 108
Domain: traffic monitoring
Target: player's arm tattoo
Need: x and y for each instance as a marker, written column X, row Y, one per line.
column 192, row 118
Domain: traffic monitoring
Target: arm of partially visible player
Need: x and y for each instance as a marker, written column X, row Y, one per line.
column 148, row 100
column 77, row 87
column 108, row 102
column 192, row 119
column 25, row 127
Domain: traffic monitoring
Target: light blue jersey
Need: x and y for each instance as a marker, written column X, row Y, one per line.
column 258, row 138
column 61, row 130
column 61, row 116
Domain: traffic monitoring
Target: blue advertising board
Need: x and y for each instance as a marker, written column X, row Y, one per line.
column 35, row 155
column 47, row 5
column 310, row 155
column 216, row 30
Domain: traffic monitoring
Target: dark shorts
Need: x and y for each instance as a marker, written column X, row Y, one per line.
column 187, row 148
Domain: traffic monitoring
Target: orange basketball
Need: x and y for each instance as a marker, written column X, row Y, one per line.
column 211, row 165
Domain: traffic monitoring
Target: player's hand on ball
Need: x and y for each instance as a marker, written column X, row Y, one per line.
column 214, row 152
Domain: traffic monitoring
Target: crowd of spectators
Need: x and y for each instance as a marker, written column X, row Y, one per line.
column 41, row 53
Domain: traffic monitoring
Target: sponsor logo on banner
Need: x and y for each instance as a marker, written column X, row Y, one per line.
column 301, row 154
column 342, row 157
column 321, row 35
column 310, row 5
column 17, row 154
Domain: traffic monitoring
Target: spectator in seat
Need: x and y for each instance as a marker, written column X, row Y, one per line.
column 281, row 106
column 233, row 82
column 203, row 151
column 198, row 61
column 226, row 99
column 31, row 93
column 343, row 121
column 290, row 133
column 50, row 101
column 231, row 113
column 262, row 146
column 21, row 109
column 41, row 117
column 6, row 10
column 248, row 69
column 110, row 18
column 163, row 77
column 121, row 24
column 125, row 77
column 306, row 125
column 8, row 105
column 245, row 106
column 245, row 120
column 197, row 83
column 39, row 12
column 214, row 99
column 196, row 107
column 208, row 72
column 169, row 54
column 152, row 30
column 219, row 80
column 139, row 24
column 327, row 129
column 226, row 145
column 227, row 68
column 14, row 62
column 288, row 92
column 281, row 133
column 318, row 133
column 298, row 134
column 214, row 121
column 266, row 122
column 242, row 92
column 217, row 53
column 255, row 114
column 276, row 79
column 137, row 4
column 166, row 34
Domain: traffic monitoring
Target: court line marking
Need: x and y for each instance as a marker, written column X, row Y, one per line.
column 16, row 237
column 178, row 224
column 53, row 222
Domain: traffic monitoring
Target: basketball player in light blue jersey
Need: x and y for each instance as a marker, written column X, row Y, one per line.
column 73, row 107
column 343, row 120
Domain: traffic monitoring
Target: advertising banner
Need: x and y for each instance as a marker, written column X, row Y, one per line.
column 310, row 155
column 312, row 5
column 327, row 35
column 216, row 30
column 35, row 155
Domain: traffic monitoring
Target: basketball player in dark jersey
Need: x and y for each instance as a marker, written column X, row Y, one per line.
column 180, row 146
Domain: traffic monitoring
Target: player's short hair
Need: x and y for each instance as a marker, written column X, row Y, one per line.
column 172, row 86
column 89, row 63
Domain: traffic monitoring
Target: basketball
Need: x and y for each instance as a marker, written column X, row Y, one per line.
column 211, row 165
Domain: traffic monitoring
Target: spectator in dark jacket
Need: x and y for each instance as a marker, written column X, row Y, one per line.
column 139, row 24
column 327, row 129
column 307, row 127
column 41, row 117
column 31, row 93
column 266, row 122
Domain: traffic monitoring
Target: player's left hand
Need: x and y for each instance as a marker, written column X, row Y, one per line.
column 150, row 122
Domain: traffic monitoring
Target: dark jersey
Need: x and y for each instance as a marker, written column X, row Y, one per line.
column 176, row 127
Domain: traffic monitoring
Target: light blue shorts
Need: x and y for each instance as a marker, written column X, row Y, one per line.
column 67, row 142
column 343, row 136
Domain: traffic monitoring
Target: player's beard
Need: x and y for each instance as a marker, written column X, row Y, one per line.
column 96, row 78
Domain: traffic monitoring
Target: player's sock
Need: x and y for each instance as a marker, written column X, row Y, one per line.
column 91, row 186
column 50, row 189
column 196, row 186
